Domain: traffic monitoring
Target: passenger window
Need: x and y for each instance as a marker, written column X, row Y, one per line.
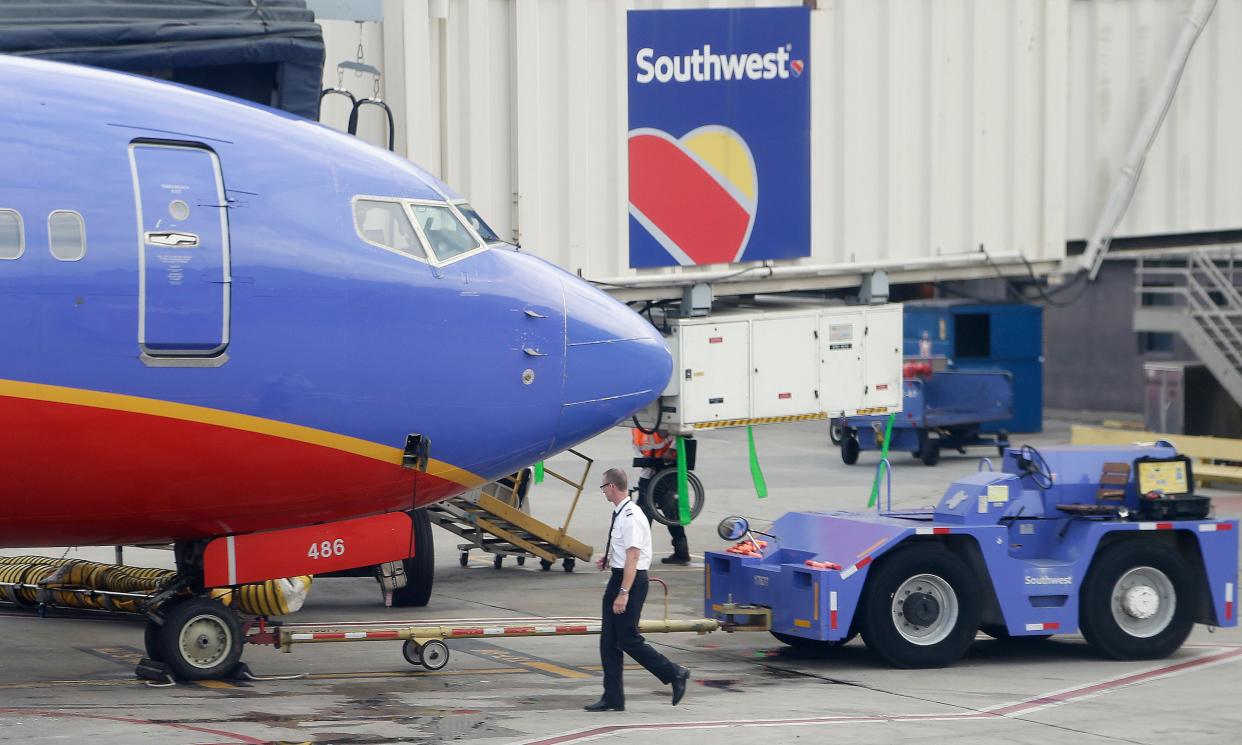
column 66, row 236
column 386, row 224
column 12, row 237
column 446, row 234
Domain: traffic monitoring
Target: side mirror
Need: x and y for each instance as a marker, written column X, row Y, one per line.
column 732, row 528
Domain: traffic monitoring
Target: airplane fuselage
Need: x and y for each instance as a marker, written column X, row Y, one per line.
column 235, row 349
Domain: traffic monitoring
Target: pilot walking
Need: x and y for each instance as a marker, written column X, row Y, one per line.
column 628, row 555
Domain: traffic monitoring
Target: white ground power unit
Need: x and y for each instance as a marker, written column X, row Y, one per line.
column 735, row 368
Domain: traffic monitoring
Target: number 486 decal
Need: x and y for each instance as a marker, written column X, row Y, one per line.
column 326, row 549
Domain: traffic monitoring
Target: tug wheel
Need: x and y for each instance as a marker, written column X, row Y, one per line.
column 200, row 639
column 1137, row 602
column 920, row 607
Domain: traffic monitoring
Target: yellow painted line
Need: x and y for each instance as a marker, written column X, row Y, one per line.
column 871, row 548
column 73, row 683
column 312, row 676
column 802, row 623
column 220, row 684
column 563, row 672
column 417, row 673
column 760, row 420
column 230, row 420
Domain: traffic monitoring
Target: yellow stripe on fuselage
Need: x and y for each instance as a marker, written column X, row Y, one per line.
column 230, row 420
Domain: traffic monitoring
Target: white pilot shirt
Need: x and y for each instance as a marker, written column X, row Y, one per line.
column 630, row 530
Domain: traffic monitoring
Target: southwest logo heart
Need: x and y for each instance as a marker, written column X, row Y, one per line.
column 696, row 195
column 798, row 67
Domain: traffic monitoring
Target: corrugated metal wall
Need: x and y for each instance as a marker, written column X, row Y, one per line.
column 938, row 127
column 1192, row 178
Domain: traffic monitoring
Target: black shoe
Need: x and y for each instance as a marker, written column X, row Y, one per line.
column 679, row 684
column 603, row 705
column 675, row 559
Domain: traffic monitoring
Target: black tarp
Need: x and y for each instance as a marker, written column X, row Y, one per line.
column 266, row 51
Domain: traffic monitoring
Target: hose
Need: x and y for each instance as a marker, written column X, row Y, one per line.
column 71, row 583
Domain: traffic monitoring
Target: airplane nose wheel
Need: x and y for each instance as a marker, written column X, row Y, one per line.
column 200, row 639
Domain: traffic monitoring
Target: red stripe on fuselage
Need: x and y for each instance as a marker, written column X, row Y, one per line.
column 685, row 201
column 81, row 475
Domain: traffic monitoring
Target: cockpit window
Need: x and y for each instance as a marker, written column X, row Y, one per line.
column 446, row 234
column 475, row 221
column 386, row 224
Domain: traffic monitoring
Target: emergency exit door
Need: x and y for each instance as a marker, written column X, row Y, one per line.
column 183, row 249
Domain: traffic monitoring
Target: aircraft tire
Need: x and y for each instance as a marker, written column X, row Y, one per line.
column 1138, row 601
column 420, row 569
column 920, row 608
column 151, row 641
column 201, row 639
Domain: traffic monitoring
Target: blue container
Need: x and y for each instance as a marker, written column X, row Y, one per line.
column 1028, row 392
column 1003, row 331
column 934, row 319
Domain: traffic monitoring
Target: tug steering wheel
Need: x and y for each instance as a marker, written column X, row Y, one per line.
column 1034, row 465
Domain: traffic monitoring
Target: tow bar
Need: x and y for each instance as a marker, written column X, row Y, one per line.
column 425, row 644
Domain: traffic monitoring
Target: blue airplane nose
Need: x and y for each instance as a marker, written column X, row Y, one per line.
column 616, row 363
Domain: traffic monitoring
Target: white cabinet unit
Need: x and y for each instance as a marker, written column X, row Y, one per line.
column 742, row 367
column 714, row 381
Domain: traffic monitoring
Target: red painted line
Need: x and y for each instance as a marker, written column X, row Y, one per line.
column 467, row 632
column 1224, row 526
column 126, row 720
column 1164, row 526
column 1228, row 611
column 1088, row 690
column 1052, row 626
column 832, row 619
column 520, row 630
column 940, row 531
column 863, row 563
column 382, row 634
column 571, row 629
column 991, row 714
column 328, row 635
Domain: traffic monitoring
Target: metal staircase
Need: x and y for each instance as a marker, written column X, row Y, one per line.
column 1196, row 293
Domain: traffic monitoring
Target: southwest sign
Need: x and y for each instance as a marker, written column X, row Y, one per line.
column 719, row 135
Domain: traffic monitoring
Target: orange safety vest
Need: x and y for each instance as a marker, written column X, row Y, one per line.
column 653, row 445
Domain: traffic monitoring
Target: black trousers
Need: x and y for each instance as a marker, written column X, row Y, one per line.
column 667, row 504
column 620, row 634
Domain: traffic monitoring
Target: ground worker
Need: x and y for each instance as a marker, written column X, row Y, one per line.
column 656, row 451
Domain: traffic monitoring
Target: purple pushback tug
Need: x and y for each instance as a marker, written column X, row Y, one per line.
column 1108, row 541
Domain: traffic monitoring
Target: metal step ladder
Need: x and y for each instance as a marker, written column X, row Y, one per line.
column 496, row 519
column 1196, row 293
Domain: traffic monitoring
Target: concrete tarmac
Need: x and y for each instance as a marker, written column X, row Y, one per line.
column 70, row 678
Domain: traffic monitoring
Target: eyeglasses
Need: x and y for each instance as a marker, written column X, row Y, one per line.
column 602, row 487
